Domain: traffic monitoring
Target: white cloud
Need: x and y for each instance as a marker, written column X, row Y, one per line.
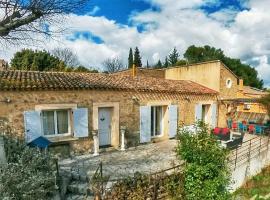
column 263, row 68
column 178, row 24
column 93, row 11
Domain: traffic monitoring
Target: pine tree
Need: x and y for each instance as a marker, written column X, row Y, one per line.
column 130, row 58
column 137, row 58
column 173, row 57
column 166, row 63
column 159, row 64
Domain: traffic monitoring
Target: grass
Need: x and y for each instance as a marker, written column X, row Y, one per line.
column 258, row 185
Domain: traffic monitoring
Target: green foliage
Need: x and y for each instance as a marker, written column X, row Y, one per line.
column 28, row 59
column 255, row 188
column 159, row 64
column 173, row 57
column 265, row 100
column 137, row 58
column 200, row 54
column 166, row 62
column 130, row 58
column 206, row 173
column 84, row 69
column 181, row 62
column 29, row 173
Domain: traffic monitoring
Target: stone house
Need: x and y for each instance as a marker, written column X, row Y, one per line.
column 211, row 74
column 67, row 107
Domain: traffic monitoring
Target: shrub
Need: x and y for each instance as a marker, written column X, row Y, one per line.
column 206, row 173
column 28, row 174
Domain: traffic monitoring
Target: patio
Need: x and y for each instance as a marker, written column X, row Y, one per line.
column 148, row 158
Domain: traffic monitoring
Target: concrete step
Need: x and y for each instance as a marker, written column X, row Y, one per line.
column 79, row 188
column 82, row 177
column 79, row 197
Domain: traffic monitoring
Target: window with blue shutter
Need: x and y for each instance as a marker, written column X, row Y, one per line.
column 198, row 112
column 173, row 120
column 80, row 119
column 32, row 123
column 214, row 115
column 145, row 124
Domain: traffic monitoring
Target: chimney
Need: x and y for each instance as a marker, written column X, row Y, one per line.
column 134, row 70
column 241, row 85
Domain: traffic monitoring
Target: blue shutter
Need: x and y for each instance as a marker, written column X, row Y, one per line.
column 173, row 119
column 32, row 125
column 145, row 124
column 80, row 120
column 214, row 115
column 198, row 112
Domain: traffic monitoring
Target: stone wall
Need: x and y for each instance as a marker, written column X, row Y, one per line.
column 129, row 104
column 207, row 74
column 225, row 92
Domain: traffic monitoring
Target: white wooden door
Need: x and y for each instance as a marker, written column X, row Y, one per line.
column 104, row 126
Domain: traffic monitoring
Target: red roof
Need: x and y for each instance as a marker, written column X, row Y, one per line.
column 33, row 80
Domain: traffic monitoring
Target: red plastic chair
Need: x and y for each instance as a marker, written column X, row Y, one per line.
column 225, row 131
column 251, row 128
column 234, row 126
column 216, row 131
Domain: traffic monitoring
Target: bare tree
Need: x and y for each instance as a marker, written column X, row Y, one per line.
column 112, row 65
column 18, row 18
column 67, row 56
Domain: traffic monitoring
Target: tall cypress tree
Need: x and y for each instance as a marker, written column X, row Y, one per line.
column 137, row 58
column 173, row 57
column 130, row 58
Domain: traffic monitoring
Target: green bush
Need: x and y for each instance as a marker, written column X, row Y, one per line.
column 206, row 173
column 29, row 173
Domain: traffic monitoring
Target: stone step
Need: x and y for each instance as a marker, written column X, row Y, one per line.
column 79, row 188
column 79, row 197
column 82, row 177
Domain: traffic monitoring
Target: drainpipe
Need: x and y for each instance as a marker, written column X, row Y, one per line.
column 96, row 142
column 123, row 130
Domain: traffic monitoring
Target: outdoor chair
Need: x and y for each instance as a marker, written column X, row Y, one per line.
column 242, row 127
column 217, row 131
column 235, row 143
column 222, row 133
column 258, row 130
column 251, row 128
column 234, row 126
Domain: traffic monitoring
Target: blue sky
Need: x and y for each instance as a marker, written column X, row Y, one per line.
column 108, row 28
column 118, row 10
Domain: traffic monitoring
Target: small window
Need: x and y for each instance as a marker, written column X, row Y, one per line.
column 55, row 122
column 156, row 121
column 228, row 83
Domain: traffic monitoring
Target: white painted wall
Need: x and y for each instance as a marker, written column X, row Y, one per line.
column 246, row 170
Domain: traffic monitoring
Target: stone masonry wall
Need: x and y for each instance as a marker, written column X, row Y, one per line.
column 21, row 101
column 226, row 93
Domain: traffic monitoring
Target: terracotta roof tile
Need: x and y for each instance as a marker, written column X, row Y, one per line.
column 32, row 80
